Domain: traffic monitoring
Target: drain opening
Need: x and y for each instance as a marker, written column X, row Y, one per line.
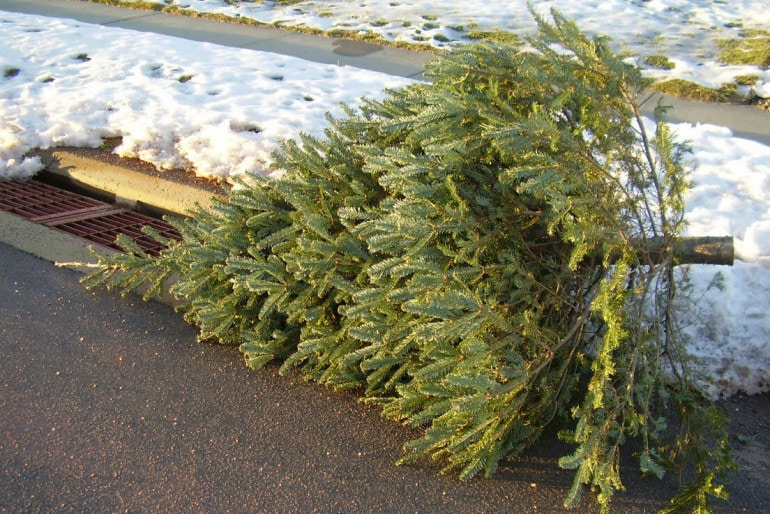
column 85, row 217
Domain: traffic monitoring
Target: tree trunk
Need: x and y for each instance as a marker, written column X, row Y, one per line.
column 695, row 250
column 705, row 250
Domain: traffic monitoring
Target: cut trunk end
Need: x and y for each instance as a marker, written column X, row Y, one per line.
column 704, row 250
column 692, row 250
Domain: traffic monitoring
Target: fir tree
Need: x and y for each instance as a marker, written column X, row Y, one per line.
column 480, row 255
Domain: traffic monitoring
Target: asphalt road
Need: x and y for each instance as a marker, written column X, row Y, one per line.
column 109, row 404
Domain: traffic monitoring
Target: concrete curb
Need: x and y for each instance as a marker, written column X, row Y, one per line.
column 48, row 243
column 125, row 186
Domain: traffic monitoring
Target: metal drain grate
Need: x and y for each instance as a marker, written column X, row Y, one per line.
column 105, row 229
column 34, row 200
column 80, row 215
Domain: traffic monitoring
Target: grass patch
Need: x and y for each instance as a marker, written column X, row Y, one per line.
column 746, row 80
column 145, row 6
column 110, row 143
column 659, row 61
column 441, row 38
column 173, row 9
column 356, row 35
column 681, row 88
column 185, row 78
column 277, row 2
column 495, row 36
column 368, row 36
column 238, row 2
column 753, row 47
column 294, row 28
column 10, row 72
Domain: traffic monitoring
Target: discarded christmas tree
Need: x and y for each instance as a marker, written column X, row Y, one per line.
column 488, row 255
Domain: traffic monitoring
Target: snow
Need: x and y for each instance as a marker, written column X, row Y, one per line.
column 222, row 111
column 729, row 326
column 686, row 31
column 176, row 104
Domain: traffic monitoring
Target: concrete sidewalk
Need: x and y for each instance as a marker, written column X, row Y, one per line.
column 744, row 121
column 320, row 49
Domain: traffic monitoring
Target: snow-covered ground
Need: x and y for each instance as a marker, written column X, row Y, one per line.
column 176, row 104
column 222, row 111
column 686, row 31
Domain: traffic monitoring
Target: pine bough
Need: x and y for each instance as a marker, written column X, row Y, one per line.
column 462, row 252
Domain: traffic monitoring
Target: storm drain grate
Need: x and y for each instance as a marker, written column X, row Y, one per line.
column 80, row 215
column 33, row 200
column 105, row 229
